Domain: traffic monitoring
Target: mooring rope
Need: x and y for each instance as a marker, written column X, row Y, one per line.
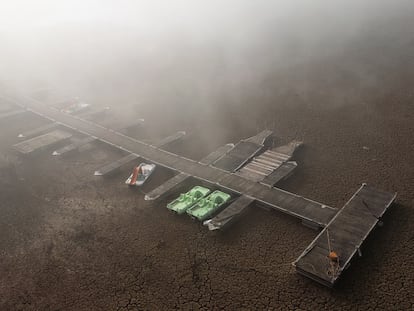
column 333, row 259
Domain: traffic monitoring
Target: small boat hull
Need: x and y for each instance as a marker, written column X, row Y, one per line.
column 206, row 207
column 186, row 200
column 140, row 174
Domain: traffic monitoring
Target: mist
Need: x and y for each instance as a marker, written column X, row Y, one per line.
column 204, row 57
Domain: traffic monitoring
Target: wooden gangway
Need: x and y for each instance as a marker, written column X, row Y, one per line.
column 216, row 154
column 42, row 141
column 167, row 187
column 109, row 168
column 170, row 139
column 38, row 130
column 73, row 146
column 310, row 211
column 344, row 235
column 231, row 213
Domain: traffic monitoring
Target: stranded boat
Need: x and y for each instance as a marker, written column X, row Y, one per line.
column 187, row 200
column 140, row 174
column 206, row 207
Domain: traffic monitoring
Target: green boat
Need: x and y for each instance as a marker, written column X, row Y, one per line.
column 187, row 200
column 206, row 207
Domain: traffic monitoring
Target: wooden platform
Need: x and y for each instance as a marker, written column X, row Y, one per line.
column 239, row 155
column 232, row 212
column 344, row 235
column 283, row 201
column 216, row 154
column 109, row 168
column 41, row 141
column 167, row 187
column 272, row 165
column 37, row 131
column 242, row 152
column 169, row 139
column 282, row 172
column 73, row 146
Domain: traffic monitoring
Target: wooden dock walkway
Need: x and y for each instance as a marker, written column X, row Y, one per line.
column 109, row 168
column 37, row 131
column 73, row 146
column 232, row 212
column 313, row 212
column 344, row 235
column 42, row 141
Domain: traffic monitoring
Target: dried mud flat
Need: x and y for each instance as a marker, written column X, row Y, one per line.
column 71, row 241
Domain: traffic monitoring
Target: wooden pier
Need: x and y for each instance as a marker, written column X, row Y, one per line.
column 343, row 236
column 170, row 139
column 307, row 210
column 73, row 146
column 324, row 260
column 167, row 187
column 216, row 154
column 109, row 168
column 42, row 141
column 230, row 214
column 37, row 131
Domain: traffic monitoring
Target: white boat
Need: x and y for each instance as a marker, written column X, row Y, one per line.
column 140, row 174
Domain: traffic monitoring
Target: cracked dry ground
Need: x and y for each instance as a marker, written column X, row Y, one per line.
column 71, row 241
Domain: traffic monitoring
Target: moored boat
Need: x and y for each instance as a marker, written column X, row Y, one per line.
column 188, row 199
column 206, row 207
column 140, row 174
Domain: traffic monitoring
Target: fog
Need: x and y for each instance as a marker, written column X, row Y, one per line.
column 203, row 56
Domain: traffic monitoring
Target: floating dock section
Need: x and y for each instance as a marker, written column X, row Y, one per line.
column 109, row 168
column 41, row 141
column 242, row 152
column 228, row 216
column 38, row 130
column 282, row 172
column 344, row 235
column 272, row 165
column 73, row 146
column 167, row 187
column 168, row 140
column 215, row 155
